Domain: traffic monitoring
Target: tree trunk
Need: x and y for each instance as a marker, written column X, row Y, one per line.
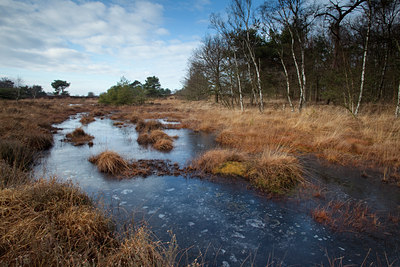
column 383, row 73
column 398, row 102
column 239, row 82
column 299, row 78
column 287, row 83
column 364, row 63
column 252, row 84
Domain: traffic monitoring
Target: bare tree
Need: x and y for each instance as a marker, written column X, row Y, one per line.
column 242, row 16
column 292, row 16
column 211, row 56
column 228, row 33
column 336, row 11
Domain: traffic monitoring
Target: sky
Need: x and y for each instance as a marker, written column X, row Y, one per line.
column 92, row 44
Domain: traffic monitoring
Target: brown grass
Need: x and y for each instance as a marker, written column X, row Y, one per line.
column 150, row 134
column 48, row 223
column 347, row 216
column 109, row 162
column 147, row 126
column 274, row 171
column 163, row 145
column 332, row 133
column 87, row 119
column 78, row 137
column 11, row 176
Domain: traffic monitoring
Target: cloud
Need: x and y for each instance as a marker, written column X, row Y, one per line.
column 89, row 37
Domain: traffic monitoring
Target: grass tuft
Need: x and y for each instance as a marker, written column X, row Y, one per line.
column 274, row 171
column 78, row 137
column 109, row 162
column 87, row 119
column 16, row 154
column 163, row 145
column 48, row 223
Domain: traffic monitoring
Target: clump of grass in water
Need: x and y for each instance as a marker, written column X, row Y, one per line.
column 48, row 223
column 109, row 162
column 150, row 134
column 78, row 137
column 87, row 119
column 275, row 171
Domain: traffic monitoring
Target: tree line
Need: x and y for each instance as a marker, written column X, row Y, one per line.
column 10, row 89
column 126, row 92
column 344, row 52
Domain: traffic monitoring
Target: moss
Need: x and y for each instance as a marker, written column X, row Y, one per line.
column 231, row 168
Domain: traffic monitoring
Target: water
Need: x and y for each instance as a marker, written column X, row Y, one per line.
column 223, row 221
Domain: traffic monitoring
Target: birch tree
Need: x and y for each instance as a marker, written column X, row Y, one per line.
column 368, row 12
column 242, row 14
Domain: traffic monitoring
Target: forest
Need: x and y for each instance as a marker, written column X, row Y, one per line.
column 329, row 52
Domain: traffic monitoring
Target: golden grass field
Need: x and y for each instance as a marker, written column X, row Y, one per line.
column 53, row 223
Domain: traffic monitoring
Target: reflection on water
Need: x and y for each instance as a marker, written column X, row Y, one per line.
column 226, row 222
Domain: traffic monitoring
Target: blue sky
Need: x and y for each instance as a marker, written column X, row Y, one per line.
column 91, row 44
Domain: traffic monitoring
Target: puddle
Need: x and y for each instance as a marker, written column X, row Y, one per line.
column 229, row 224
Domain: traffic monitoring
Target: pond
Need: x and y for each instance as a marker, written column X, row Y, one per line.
column 222, row 222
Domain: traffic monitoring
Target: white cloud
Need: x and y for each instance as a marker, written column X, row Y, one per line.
column 90, row 37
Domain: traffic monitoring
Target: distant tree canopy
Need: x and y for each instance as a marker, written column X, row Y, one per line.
column 10, row 90
column 129, row 93
column 59, row 87
column 342, row 52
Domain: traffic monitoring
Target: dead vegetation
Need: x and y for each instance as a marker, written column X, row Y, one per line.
column 111, row 163
column 78, row 137
column 87, row 119
column 371, row 139
column 274, row 171
column 48, row 223
column 347, row 216
column 150, row 133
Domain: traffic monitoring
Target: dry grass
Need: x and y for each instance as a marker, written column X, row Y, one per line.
column 347, row 216
column 87, row 119
column 78, row 137
column 109, row 162
column 330, row 132
column 11, row 176
column 48, row 223
column 147, row 126
column 274, row 171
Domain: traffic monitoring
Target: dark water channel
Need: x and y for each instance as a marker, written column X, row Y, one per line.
column 226, row 223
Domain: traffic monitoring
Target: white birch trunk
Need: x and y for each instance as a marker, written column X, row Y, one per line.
column 287, row 83
column 398, row 102
column 364, row 63
column 239, row 83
